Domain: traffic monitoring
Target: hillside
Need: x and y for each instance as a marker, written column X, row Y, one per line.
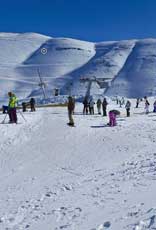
column 62, row 62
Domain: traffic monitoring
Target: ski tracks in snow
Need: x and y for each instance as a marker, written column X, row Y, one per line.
column 13, row 135
column 91, row 179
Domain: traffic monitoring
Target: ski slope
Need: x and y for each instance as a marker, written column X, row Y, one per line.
column 89, row 177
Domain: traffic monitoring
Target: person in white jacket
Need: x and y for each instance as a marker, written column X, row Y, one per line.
column 147, row 104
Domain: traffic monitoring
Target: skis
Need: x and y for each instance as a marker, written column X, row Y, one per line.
column 71, row 125
column 10, row 123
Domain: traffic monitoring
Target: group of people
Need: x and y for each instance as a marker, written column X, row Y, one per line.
column 31, row 103
column 138, row 101
column 88, row 108
column 11, row 108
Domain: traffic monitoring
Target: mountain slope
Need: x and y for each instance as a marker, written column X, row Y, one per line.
column 15, row 48
column 62, row 62
column 138, row 76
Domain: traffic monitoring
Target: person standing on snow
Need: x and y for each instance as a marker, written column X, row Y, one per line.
column 128, row 107
column 71, row 107
column 117, row 100
column 24, row 107
column 91, row 106
column 137, row 103
column 85, row 105
column 154, row 105
column 32, row 104
column 104, row 107
column 99, row 103
column 123, row 101
column 120, row 103
column 12, row 108
column 147, row 104
column 112, row 118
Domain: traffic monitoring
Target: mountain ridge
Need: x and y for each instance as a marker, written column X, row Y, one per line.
column 66, row 60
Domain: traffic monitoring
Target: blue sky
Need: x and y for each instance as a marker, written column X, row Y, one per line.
column 92, row 20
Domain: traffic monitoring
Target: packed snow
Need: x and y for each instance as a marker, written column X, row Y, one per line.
column 90, row 177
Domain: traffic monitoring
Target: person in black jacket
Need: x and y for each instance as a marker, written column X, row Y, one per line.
column 128, row 107
column 32, row 104
column 104, row 107
column 85, row 105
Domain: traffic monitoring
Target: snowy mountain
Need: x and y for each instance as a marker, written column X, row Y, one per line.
column 129, row 66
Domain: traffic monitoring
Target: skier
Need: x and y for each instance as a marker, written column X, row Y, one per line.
column 112, row 118
column 147, row 104
column 99, row 103
column 154, row 105
column 137, row 103
column 128, row 106
column 32, row 104
column 71, row 107
column 85, row 106
column 91, row 106
column 104, row 106
column 12, row 108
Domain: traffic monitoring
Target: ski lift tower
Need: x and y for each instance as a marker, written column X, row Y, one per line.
column 42, row 84
column 102, row 82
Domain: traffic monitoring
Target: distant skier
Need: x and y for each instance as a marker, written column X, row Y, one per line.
column 91, row 106
column 71, row 107
column 32, row 104
column 147, row 104
column 117, row 100
column 104, row 107
column 85, row 105
column 120, row 103
column 154, row 105
column 123, row 101
column 112, row 118
column 128, row 107
column 99, row 103
column 137, row 102
column 12, row 107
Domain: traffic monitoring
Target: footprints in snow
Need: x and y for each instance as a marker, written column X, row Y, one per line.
column 32, row 211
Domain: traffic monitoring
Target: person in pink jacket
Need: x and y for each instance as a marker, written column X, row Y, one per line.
column 112, row 118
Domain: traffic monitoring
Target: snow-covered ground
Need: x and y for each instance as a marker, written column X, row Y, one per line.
column 88, row 177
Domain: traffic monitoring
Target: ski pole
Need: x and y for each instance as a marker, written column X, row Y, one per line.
column 22, row 116
column 4, row 119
